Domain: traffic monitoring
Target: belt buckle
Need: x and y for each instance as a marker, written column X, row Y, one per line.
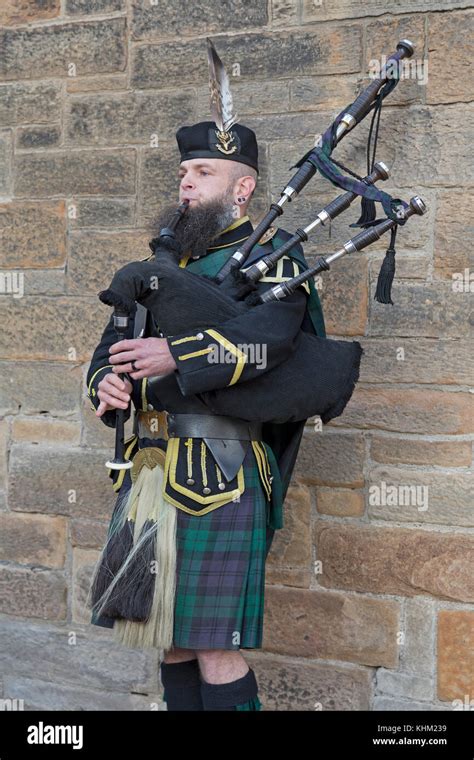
column 170, row 425
column 163, row 423
column 146, row 424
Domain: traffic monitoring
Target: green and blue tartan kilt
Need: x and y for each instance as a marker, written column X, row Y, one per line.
column 220, row 573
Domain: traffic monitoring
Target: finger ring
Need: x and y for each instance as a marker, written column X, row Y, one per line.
column 134, row 369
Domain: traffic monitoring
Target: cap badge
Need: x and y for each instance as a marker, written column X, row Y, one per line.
column 225, row 139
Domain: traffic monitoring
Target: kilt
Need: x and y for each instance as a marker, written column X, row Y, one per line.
column 220, row 571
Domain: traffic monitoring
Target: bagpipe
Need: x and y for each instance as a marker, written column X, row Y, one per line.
column 320, row 372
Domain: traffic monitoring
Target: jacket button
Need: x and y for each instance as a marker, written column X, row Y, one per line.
column 206, row 490
column 199, row 336
column 150, row 407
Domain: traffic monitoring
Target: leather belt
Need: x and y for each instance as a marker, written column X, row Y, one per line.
column 213, row 426
column 226, row 437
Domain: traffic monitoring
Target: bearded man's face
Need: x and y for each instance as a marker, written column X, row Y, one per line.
column 205, row 179
column 208, row 186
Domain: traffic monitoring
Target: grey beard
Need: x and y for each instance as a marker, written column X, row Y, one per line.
column 199, row 226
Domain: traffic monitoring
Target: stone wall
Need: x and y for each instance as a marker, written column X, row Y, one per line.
column 369, row 594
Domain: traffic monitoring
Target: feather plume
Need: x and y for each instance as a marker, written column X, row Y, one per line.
column 221, row 96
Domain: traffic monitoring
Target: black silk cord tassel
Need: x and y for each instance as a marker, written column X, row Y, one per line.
column 383, row 293
column 368, row 211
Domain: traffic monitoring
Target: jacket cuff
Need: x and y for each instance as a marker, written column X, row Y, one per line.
column 108, row 418
column 94, row 382
column 199, row 360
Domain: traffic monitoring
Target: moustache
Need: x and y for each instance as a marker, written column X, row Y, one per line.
column 198, row 227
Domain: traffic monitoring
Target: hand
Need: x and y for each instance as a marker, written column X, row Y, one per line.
column 113, row 393
column 152, row 356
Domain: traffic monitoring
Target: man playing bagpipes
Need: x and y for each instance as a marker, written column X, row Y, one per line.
column 200, row 490
column 232, row 567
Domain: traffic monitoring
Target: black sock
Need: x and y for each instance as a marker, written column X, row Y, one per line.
column 182, row 685
column 233, row 695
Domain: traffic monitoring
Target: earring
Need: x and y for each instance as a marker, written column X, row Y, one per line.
column 241, row 200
